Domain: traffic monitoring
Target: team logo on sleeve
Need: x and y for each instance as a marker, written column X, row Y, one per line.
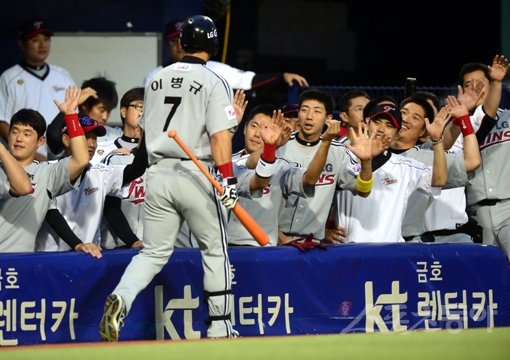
column 231, row 114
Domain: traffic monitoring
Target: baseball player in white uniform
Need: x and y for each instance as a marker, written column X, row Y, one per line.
column 302, row 218
column 197, row 103
column 82, row 208
column 395, row 179
column 26, row 132
column 32, row 83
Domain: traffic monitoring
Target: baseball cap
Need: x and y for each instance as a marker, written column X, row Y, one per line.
column 172, row 29
column 33, row 27
column 89, row 125
column 389, row 112
column 290, row 110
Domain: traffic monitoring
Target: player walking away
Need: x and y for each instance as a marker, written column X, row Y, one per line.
column 14, row 181
column 192, row 99
column 33, row 83
column 26, row 134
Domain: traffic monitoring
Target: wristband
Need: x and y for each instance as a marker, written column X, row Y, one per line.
column 437, row 141
column 269, row 153
column 465, row 125
column 226, row 170
column 364, row 186
column 264, row 169
column 73, row 126
column 342, row 132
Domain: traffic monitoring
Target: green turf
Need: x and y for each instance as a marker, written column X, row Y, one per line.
column 479, row 344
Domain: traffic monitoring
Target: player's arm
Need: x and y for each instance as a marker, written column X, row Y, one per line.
column 4, row 130
column 18, row 178
column 139, row 165
column 497, row 72
column 79, row 152
column 471, row 150
column 314, row 170
column 119, row 224
column 435, row 131
column 59, row 224
column 363, row 146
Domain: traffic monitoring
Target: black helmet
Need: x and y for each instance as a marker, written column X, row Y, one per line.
column 198, row 33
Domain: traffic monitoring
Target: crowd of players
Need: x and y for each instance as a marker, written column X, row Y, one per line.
column 436, row 166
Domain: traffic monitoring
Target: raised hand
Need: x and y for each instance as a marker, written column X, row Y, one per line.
column 455, row 107
column 361, row 144
column 70, row 104
column 240, row 103
column 499, row 68
column 332, row 130
column 471, row 96
column 271, row 131
column 436, row 128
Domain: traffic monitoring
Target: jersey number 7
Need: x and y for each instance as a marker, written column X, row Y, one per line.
column 175, row 101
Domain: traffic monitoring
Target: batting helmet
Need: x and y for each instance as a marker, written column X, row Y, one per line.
column 198, row 33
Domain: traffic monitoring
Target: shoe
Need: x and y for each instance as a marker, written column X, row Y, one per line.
column 113, row 318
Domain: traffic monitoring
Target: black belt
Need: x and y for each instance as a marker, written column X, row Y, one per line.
column 489, row 202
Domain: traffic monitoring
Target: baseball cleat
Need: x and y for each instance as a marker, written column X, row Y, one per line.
column 113, row 318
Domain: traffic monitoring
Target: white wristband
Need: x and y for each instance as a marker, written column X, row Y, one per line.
column 265, row 169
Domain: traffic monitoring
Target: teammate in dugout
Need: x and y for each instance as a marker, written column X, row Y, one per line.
column 304, row 218
column 75, row 217
column 33, row 83
column 197, row 103
column 26, row 134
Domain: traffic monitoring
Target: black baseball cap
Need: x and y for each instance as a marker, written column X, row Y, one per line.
column 33, row 27
column 389, row 112
column 172, row 29
column 290, row 110
column 89, row 125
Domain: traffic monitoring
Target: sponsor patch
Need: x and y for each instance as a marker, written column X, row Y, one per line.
column 231, row 114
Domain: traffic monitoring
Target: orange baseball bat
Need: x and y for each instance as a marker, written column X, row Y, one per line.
column 244, row 217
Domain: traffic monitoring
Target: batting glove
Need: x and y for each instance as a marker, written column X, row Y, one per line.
column 229, row 195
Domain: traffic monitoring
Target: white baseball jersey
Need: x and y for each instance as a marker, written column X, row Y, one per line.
column 21, row 87
column 237, row 79
column 302, row 216
column 83, row 207
column 132, row 205
column 107, row 143
column 490, row 180
column 287, row 179
column 22, row 217
column 413, row 223
column 378, row 218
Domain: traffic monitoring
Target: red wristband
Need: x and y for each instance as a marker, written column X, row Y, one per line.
column 269, row 153
column 73, row 126
column 465, row 125
column 226, row 170
column 342, row 132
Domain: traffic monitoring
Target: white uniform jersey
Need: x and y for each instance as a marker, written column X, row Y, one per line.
column 378, row 218
column 83, row 207
column 22, row 217
column 20, row 87
column 106, row 144
column 490, row 180
column 287, row 179
column 413, row 223
column 132, row 204
column 237, row 79
column 210, row 92
column 301, row 216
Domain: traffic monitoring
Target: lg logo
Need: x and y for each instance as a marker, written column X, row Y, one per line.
column 212, row 34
